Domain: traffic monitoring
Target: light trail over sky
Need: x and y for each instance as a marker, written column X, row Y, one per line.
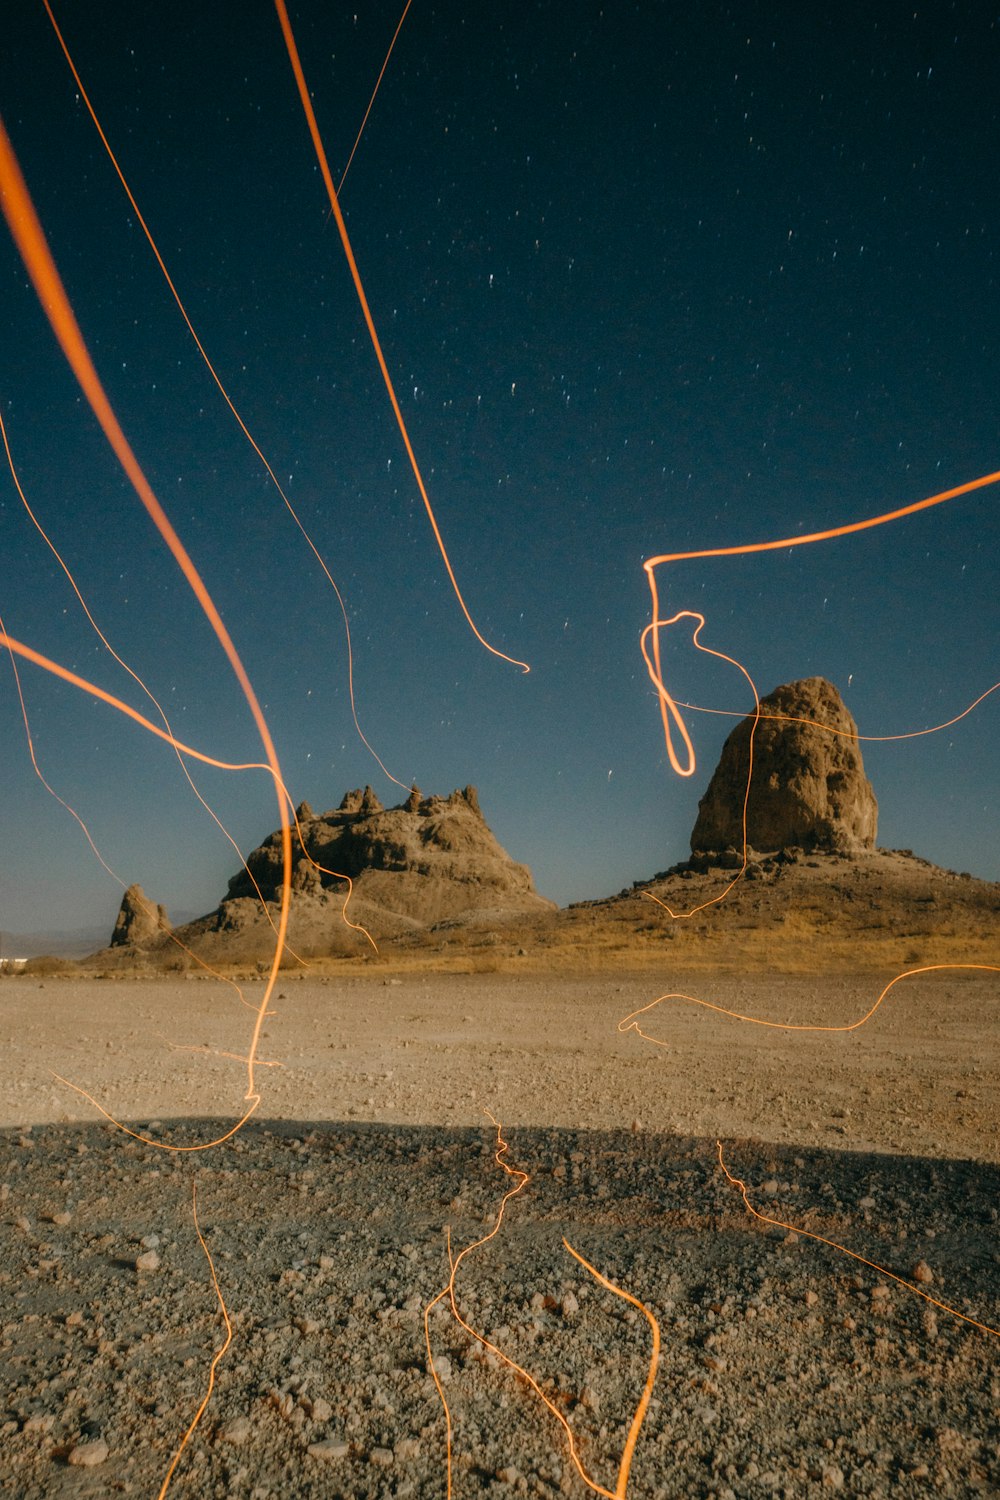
column 646, row 282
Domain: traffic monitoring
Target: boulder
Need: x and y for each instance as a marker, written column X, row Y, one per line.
column 140, row 922
column 809, row 787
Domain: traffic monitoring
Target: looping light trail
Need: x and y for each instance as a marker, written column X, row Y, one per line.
column 669, row 707
column 293, row 54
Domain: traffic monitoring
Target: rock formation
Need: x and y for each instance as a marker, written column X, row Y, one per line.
column 809, row 786
column 429, row 860
column 140, row 923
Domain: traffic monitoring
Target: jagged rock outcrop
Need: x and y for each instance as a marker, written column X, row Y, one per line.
column 809, row 786
column 140, row 922
column 429, row 860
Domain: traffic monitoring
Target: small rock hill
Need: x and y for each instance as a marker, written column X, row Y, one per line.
column 430, row 861
column 140, row 923
column 809, row 787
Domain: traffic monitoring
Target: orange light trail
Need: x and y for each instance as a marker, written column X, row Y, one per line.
column 624, row 1468
column 846, row 734
column 834, row 1245
column 30, row 239
column 669, row 708
column 216, row 1358
column 145, row 688
column 293, row 54
column 224, row 392
column 378, row 85
column 629, row 1023
column 18, row 648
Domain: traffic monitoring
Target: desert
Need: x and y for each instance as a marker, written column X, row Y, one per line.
column 806, row 1208
column 498, row 861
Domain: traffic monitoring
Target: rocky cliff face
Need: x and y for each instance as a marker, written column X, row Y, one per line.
column 140, row 922
column 809, row 786
column 428, row 860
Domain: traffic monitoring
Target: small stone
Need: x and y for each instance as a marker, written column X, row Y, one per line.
column 283, row 1402
column 88, row 1455
column 42, row 1423
column 866, row 1203
column 770, row 1188
column 329, row 1448
column 63, row 1217
column 382, row 1458
column 831, row 1477
column 569, row 1305
column 881, row 1293
column 811, row 1298
column 442, row 1368
column 150, row 1242
column 320, row 1410
column 74, row 1319
column 236, row 1431
column 923, row 1273
column 147, row 1261
column 406, row 1449
column 307, row 1325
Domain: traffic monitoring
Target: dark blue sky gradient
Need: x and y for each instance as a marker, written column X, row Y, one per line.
column 649, row 278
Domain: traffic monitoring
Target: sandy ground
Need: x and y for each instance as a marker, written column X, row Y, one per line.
column 788, row 1368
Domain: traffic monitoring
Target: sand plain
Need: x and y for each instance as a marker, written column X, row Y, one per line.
column 787, row 1367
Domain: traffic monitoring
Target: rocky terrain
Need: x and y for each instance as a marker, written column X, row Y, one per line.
column 832, row 1325
column 431, row 887
column 362, row 875
column 788, row 1369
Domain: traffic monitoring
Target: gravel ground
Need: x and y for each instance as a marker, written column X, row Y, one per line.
column 787, row 1368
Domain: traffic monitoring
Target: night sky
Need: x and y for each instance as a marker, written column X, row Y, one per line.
column 649, row 278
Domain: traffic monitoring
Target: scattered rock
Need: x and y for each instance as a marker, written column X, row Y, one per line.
column 88, row 1455
column 236, row 1431
column 43, row 1422
column 329, row 1448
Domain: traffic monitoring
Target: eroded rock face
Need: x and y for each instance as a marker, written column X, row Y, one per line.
column 428, row 860
column 809, row 786
column 140, row 922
